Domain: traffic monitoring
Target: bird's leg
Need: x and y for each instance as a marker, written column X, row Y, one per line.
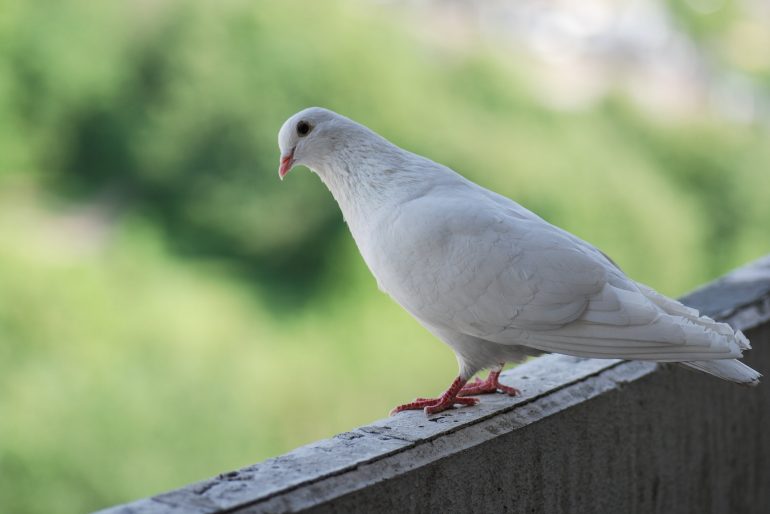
column 443, row 402
column 490, row 385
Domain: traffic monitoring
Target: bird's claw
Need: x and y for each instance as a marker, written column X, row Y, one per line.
column 490, row 385
column 434, row 405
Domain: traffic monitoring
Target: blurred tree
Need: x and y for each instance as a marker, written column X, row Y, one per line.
column 140, row 211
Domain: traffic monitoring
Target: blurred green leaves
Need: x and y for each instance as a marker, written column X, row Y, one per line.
column 169, row 309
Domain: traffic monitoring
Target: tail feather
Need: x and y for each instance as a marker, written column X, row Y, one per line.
column 727, row 369
column 676, row 308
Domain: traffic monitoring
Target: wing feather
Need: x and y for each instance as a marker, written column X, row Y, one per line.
column 507, row 276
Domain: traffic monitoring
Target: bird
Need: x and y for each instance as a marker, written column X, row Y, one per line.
column 491, row 279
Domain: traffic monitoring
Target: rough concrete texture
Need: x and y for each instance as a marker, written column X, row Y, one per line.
column 586, row 435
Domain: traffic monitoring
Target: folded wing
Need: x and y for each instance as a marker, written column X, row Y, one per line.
column 512, row 278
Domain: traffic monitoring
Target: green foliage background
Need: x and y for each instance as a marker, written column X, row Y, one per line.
column 169, row 310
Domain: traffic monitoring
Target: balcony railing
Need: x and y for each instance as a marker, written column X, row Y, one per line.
column 586, row 435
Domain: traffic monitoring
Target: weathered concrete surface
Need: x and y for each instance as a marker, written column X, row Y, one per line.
column 585, row 436
column 741, row 298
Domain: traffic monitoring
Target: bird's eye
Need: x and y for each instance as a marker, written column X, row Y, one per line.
column 303, row 128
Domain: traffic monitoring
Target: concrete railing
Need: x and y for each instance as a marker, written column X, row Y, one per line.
column 586, row 435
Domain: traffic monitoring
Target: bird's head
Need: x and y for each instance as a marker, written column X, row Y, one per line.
column 307, row 138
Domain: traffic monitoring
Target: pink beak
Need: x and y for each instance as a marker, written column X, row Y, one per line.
column 287, row 161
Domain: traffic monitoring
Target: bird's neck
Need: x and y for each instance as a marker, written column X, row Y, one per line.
column 368, row 178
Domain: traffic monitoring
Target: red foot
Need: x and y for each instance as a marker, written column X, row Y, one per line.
column 490, row 385
column 443, row 402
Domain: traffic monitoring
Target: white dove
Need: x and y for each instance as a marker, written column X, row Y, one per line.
column 485, row 275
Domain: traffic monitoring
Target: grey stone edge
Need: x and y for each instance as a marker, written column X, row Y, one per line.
column 323, row 470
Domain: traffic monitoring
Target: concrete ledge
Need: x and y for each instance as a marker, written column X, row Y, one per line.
column 586, row 435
